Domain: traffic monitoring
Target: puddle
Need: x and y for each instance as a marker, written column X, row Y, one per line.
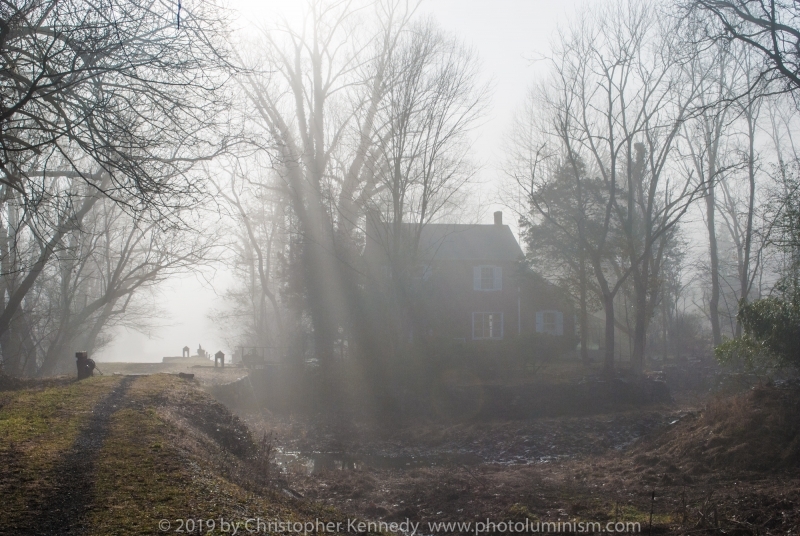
column 314, row 462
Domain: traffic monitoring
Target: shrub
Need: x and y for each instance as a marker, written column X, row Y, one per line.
column 771, row 338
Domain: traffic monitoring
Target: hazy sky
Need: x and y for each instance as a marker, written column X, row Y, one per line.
column 507, row 34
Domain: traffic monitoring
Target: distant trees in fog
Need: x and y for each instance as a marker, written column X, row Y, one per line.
column 768, row 29
column 646, row 121
column 656, row 124
column 105, row 110
column 656, row 121
column 361, row 110
column 609, row 117
column 758, row 44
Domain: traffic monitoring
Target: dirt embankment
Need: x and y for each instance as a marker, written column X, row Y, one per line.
column 117, row 455
column 756, row 431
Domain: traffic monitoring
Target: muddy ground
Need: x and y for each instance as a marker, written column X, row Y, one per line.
column 593, row 468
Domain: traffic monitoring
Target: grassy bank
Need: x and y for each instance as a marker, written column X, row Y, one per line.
column 116, row 455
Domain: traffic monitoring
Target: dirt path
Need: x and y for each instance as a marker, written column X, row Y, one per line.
column 131, row 455
column 71, row 496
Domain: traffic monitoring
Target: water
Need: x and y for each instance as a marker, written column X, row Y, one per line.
column 314, row 462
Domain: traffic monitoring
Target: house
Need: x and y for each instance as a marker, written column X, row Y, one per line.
column 470, row 286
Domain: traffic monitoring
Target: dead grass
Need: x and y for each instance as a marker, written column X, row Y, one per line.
column 729, row 467
column 755, row 431
column 38, row 425
column 171, row 452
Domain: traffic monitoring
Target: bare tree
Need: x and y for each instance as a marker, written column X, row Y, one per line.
column 721, row 143
column 433, row 99
column 739, row 201
column 619, row 96
column 114, row 95
column 705, row 136
column 94, row 88
column 771, row 28
column 25, row 260
column 781, row 215
column 258, row 207
column 319, row 103
column 96, row 278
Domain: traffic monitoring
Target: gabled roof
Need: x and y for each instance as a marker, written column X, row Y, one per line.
column 444, row 241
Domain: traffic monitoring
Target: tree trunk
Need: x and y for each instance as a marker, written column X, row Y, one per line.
column 664, row 327
column 584, row 314
column 744, row 271
column 640, row 265
column 16, row 298
column 608, row 359
column 714, row 258
column 640, row 326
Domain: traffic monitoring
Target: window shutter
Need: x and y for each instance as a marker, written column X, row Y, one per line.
column 559, row 323
column 497, row 273
column 539, row 321
column 476, row 278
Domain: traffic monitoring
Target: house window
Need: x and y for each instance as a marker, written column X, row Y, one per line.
column 487, row 326
column 487, row 278
column 551, row 322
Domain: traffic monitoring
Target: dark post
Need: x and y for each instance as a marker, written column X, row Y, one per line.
column 84, row 364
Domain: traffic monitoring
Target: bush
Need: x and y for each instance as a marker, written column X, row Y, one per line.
column 771, row 337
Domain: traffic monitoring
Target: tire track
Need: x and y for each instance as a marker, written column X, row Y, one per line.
column 63, row 510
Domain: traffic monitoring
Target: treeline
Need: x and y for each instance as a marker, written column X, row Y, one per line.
column 362, row 115
column 655, row 161
column 106, row 109
column 659, row 166
column 134, row 132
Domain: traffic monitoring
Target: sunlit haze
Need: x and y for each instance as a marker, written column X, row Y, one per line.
column 509, row 36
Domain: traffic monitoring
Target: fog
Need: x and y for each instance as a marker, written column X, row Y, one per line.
column 186, row 319
column 280, row 159
column 429, row 267
column 512, row 38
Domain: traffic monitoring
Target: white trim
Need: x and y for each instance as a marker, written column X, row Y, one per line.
column 492, row 329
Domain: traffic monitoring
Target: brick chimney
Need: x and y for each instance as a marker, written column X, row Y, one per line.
column 498, row 218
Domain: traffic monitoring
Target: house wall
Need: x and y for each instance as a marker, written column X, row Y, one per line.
column 538, row 295
column 452, row 299
column 443, row 297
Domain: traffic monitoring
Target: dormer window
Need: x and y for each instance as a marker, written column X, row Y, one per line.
column 486, row 278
